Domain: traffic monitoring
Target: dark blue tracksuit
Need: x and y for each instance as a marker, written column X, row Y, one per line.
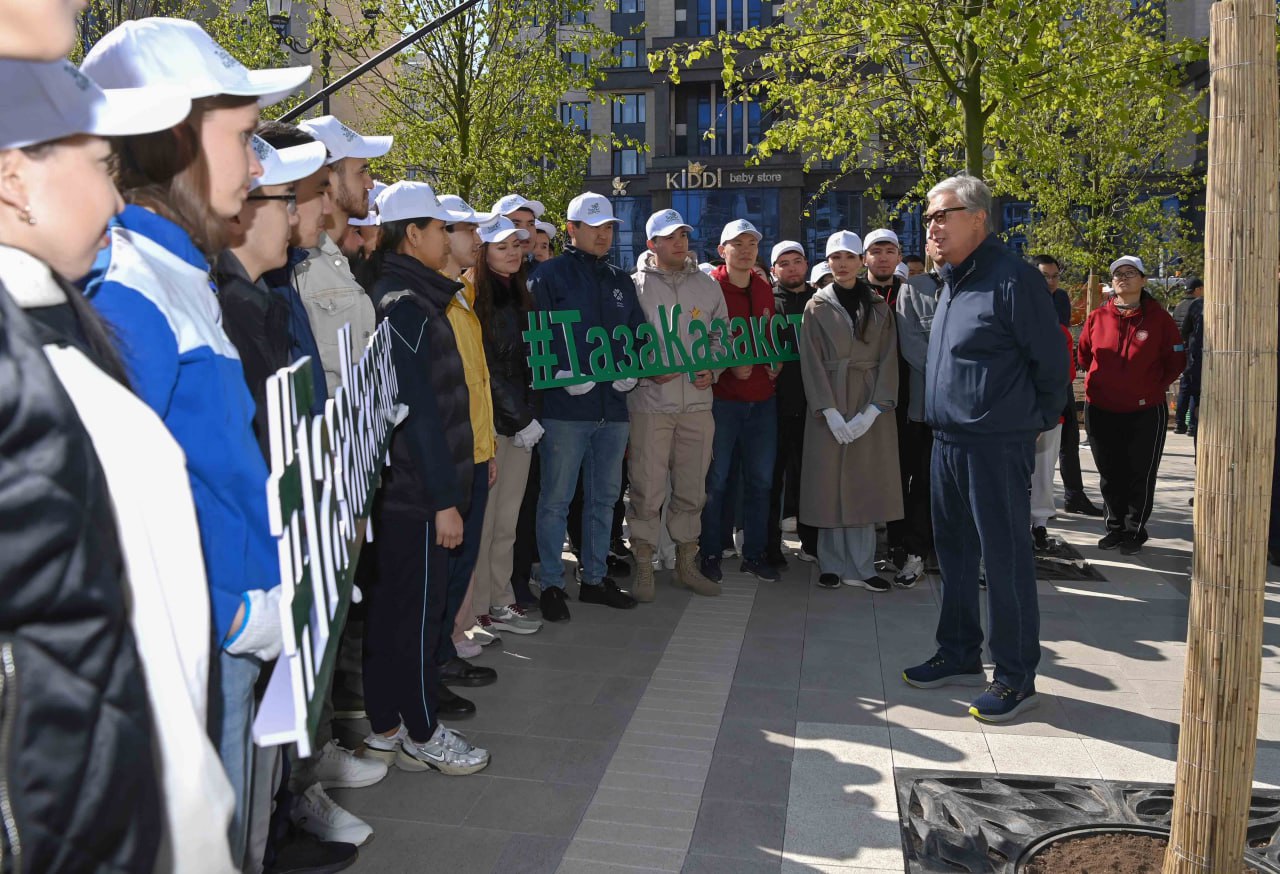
column 996, row 378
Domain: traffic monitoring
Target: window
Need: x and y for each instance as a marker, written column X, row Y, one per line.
column 704, row 18
column 832, row 211
column 574, row 115
column 628, row 162
column 626, row 6
column 736, row 125
column 631, row 53
column 1017, row 219
column 629, row 109
column 628, row 237
column 574, row 59
column 709, row 211
column 574, row 17
column 728, row 15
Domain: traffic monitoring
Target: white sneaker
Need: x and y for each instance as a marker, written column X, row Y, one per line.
column 381, row 747
column 739, row 538
column 910, row 573
column 336, row 768
column 447, row 752
column 787, row 525
column 513, row 618
column 804, row 556
column 467, row 649
column 317, row 814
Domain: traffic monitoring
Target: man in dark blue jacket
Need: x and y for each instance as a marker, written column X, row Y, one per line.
column 587, row 424
column 995, row 379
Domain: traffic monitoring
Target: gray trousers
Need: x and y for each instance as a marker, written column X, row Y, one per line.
column 849, row 553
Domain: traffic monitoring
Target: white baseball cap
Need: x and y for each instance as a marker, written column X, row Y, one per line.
column 783, row 248
column 737, row 228
column 706, row 267
column 664, row 223
column 512, row 202
column 500, row 228
column 171, row 51
column 414, row 200
column 591, row 209
column 819, row 270
column 42, row 102
column 844, row 241
column 881, row 235
column 902, row 271
column 1131, row 260
column 456, row 204
column 342, row 141
column 371, row 218
column 282, row 166
column 547, row 228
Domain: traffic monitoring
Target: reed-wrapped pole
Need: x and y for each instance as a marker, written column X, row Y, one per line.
column 1236, row 446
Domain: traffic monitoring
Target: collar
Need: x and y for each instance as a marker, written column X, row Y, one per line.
column 29, row 280
column 230, row 266
column 425, row 282
column 586, row 256
column 979, row 257
column 163, row 232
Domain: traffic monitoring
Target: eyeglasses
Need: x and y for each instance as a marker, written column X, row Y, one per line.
column 939, row 216
column 290, row 200
column 1126, row 274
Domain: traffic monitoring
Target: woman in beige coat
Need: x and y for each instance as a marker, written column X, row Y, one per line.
column 848, row 359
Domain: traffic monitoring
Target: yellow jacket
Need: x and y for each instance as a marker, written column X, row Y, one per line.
column 466, row 328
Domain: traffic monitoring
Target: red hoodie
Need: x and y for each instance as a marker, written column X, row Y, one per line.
column 756, row 301
column 1130, row 359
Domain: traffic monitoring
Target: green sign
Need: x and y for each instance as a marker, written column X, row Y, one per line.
column 653, row 351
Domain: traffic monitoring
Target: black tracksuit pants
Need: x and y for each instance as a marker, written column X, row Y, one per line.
column 1069, row 451
column 1126, row 449
column 405, row 618
column 914, row 531
column 784, row 493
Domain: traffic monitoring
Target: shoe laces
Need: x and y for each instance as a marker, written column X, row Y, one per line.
column 518, row 611
column 936, row 662
column 451, row 740
column 999, row 690
column 325, row 806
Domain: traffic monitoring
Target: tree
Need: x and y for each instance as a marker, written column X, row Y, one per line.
column 476, row 106
column 926, row 88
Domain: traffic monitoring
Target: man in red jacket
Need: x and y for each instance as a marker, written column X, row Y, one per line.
column 1131, row 352
column 745, row 413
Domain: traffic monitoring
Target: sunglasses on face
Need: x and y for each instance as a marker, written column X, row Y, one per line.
column 939, row 216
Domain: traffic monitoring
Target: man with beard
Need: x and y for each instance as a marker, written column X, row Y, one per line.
column 332, row 295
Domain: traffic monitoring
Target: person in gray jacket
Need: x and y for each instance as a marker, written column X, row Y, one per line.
column 671, row 421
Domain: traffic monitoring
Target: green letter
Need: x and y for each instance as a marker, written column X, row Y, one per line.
column 622, row 333
column 741, row 343
column 677, row 356
column 600, row 358
column 650, row 349
column 566, row 319
column 781, row 347
column 700, row 348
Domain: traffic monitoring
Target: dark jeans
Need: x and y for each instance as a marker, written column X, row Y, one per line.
column 914, row 531
column 462, row 559
column 1069, row 451
column 982, row 510
column 1127, row 449
column 752, row 428
column 784, row 494
column 406, row 618
column 575, row 514
column 525, row 551
column 1184, row 403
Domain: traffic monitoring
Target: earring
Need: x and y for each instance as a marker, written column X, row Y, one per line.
column 26, row 216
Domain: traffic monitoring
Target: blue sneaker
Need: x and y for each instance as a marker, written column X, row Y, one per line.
column 1001, row 704
column 761, row 570
column 937, row 671
column 711, row 568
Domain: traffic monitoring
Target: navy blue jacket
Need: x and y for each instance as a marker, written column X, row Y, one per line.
column 606, row 297
column 997, row 366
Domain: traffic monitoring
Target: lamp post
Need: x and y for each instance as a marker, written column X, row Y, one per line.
column 279, row 14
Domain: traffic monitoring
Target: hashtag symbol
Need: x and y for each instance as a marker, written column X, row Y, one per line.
column 542, row 361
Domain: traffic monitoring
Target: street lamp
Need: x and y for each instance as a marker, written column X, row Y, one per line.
column 279, row 15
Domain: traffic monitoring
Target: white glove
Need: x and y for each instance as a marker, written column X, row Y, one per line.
column 861, row 423
column 260, row 634
column 579, row 389
column 839, row 427
column 624, row 385
column 528, row 437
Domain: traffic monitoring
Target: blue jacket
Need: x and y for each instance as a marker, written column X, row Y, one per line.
column 606, row 297
column 155, row 292
column 281, row 283
column 997, row 366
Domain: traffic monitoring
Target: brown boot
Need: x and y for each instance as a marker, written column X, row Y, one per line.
column 643, row 590
column 687, row 573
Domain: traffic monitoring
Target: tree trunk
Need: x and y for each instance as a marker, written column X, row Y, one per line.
column 1092, row 293
column 1236, row 447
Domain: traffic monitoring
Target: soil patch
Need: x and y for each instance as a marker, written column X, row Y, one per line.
column 1104, row 854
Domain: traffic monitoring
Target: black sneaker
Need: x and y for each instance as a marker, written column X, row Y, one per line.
column 1132, row 544
column 1112, row 540
column 300, row 853
column 871, row 584
column 1040, row 538
column 553, row 605
column 760, row 570
column 829, row 581
column 617, row 565
column 453, row 706
column 1002, row 704
column 606, row 593
column 776, row 560
column 711, row 568
column 460, row 672
column 937, row 671
column 1081, row 504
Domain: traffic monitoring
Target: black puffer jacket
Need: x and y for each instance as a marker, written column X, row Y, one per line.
column 432, row 452
column 507, row 353
column 78, row 788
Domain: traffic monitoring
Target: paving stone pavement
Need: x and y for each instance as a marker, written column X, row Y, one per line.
column 759, row 731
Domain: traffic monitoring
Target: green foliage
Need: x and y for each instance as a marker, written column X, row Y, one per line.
column 475, row 106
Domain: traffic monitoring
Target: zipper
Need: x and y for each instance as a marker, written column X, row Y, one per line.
column 10, row 842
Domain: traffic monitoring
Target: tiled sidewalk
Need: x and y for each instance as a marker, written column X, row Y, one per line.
column 759, row 732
